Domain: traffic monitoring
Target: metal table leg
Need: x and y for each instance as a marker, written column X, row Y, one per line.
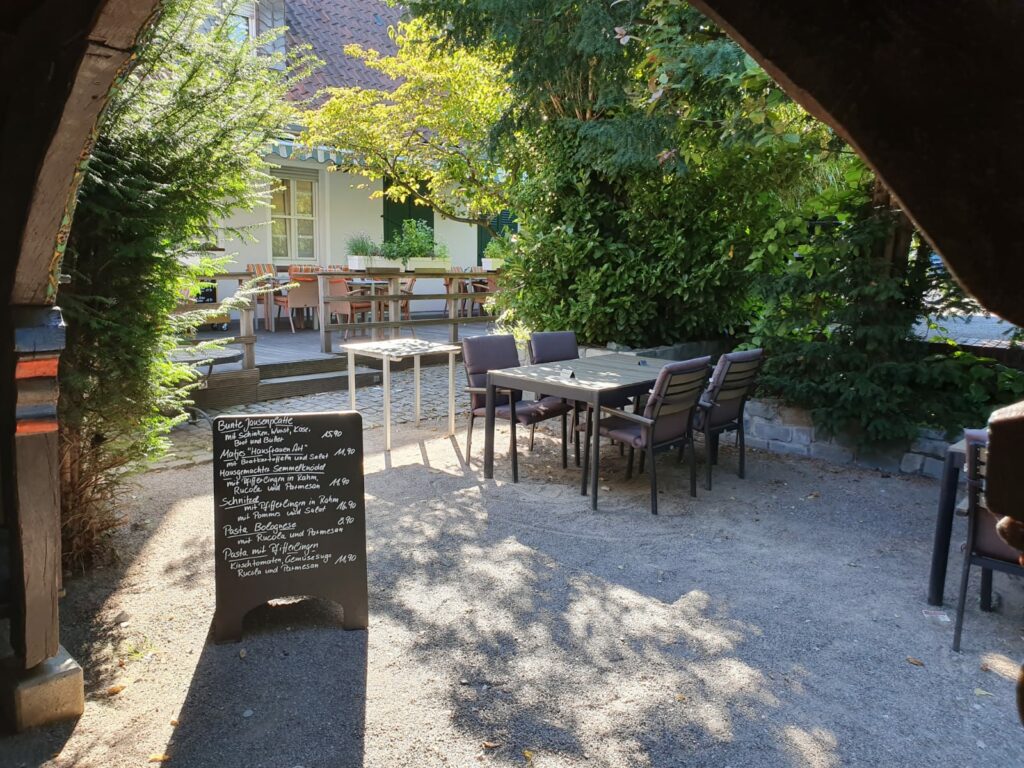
column 451, row 393
column 387, row 403
column 944, row 526
column 596, row 448
column 489, row 432
column 416, row 376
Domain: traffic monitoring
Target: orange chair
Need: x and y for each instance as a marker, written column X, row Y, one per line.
column 347, row 308
column 304, row 295
column 266, row 299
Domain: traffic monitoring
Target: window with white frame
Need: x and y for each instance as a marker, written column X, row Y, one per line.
column 293, row 220
column 242, row 22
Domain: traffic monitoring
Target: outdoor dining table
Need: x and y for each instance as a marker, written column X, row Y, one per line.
column 598, row 380
column 395, row 350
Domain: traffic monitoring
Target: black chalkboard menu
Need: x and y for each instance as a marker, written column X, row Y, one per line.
column 290, row 514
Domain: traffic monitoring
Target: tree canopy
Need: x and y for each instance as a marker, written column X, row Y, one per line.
column 431, row 135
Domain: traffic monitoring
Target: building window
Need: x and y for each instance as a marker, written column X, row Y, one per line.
column 293, row 220
column 242, row 22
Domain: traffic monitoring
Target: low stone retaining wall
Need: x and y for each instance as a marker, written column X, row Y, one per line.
column 777, row 428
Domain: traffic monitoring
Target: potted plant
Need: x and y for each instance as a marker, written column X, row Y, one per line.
column 495, row 252
column 415, row 249
column 363, row 253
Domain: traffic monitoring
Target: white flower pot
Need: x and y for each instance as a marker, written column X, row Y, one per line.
column 428, row 265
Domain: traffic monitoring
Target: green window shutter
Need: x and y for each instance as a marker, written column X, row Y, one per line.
column 503, row 221
column 395, row 213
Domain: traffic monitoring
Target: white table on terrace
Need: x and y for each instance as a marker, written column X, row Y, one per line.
column 394, row 350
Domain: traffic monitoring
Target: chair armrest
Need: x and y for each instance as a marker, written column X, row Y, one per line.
column 483, row 390
column 635, row 417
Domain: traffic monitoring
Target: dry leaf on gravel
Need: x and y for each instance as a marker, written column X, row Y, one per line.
column 492, row 744
column 981, row 692
column 680, row 697
column 985, row 667
column 529, row 756
column 174, row 722
column 242, row 653
column 159, row 757
column 114, row 690
column 915, row 662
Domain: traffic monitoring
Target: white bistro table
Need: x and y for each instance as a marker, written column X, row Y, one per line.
column 393, row 350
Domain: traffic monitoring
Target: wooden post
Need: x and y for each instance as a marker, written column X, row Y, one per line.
column 39, row 339
column 325, row 335
column 247, row 328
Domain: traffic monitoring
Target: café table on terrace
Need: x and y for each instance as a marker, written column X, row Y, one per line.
column 394, row 350
column 597, row 381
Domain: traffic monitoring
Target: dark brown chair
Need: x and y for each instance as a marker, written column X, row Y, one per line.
column 481, row 354
column 721, row 406
column 555, row 347
column 984, row 547
column 667, row 421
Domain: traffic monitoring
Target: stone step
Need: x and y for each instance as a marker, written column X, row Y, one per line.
column 313, row 383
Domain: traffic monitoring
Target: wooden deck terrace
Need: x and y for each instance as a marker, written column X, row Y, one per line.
column 291, row 364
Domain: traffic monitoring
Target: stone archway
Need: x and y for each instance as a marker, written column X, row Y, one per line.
column 60, row 60
column 894, row 79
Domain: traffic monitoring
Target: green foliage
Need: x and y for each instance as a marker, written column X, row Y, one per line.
column 430, row 135
column 837, row 325
column 415, row 240
column 362, row 245
column 669, row 190
column 179, row 149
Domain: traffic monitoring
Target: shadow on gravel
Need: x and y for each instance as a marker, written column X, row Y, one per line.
column 293, row 692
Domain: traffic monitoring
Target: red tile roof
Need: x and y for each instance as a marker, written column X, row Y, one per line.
column 328, row 26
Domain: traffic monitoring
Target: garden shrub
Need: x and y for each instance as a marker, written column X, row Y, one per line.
column 180, row 147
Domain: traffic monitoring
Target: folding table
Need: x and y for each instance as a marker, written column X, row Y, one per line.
column 394, row 350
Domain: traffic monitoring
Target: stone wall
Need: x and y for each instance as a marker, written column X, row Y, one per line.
column 777, row 428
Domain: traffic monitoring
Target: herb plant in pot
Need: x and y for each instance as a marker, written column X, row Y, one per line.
column 496, row 251
column 363, row 253
column 414, row 247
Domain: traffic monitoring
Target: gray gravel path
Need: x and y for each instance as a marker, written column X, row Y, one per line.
column 767, row 623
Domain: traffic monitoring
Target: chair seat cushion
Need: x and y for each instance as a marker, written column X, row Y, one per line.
column 530, row 411
column 623, row 430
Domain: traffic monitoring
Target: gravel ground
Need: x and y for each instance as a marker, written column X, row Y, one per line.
column 770, row 622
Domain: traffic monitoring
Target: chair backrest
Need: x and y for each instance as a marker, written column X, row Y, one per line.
column 985, row 539
column 674, row 397
column 303, row 272
column 481, row 354
column 261, row 269
column 731, row 384
column 553, row 346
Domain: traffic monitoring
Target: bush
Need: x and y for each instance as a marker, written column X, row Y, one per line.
column 837, row 324
column 415, row 240
column 180, row 148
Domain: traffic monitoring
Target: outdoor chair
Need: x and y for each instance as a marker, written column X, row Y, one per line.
column 721, row 406
column 266, row 299
column 481, row 354
column 666, row 423
column 304, row 294
column 349, row 308
column 984, row 547
column 554, row 347
column 455, row 285
column 483, row 288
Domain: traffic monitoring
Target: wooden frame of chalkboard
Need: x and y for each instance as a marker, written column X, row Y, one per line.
column 290, row 514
